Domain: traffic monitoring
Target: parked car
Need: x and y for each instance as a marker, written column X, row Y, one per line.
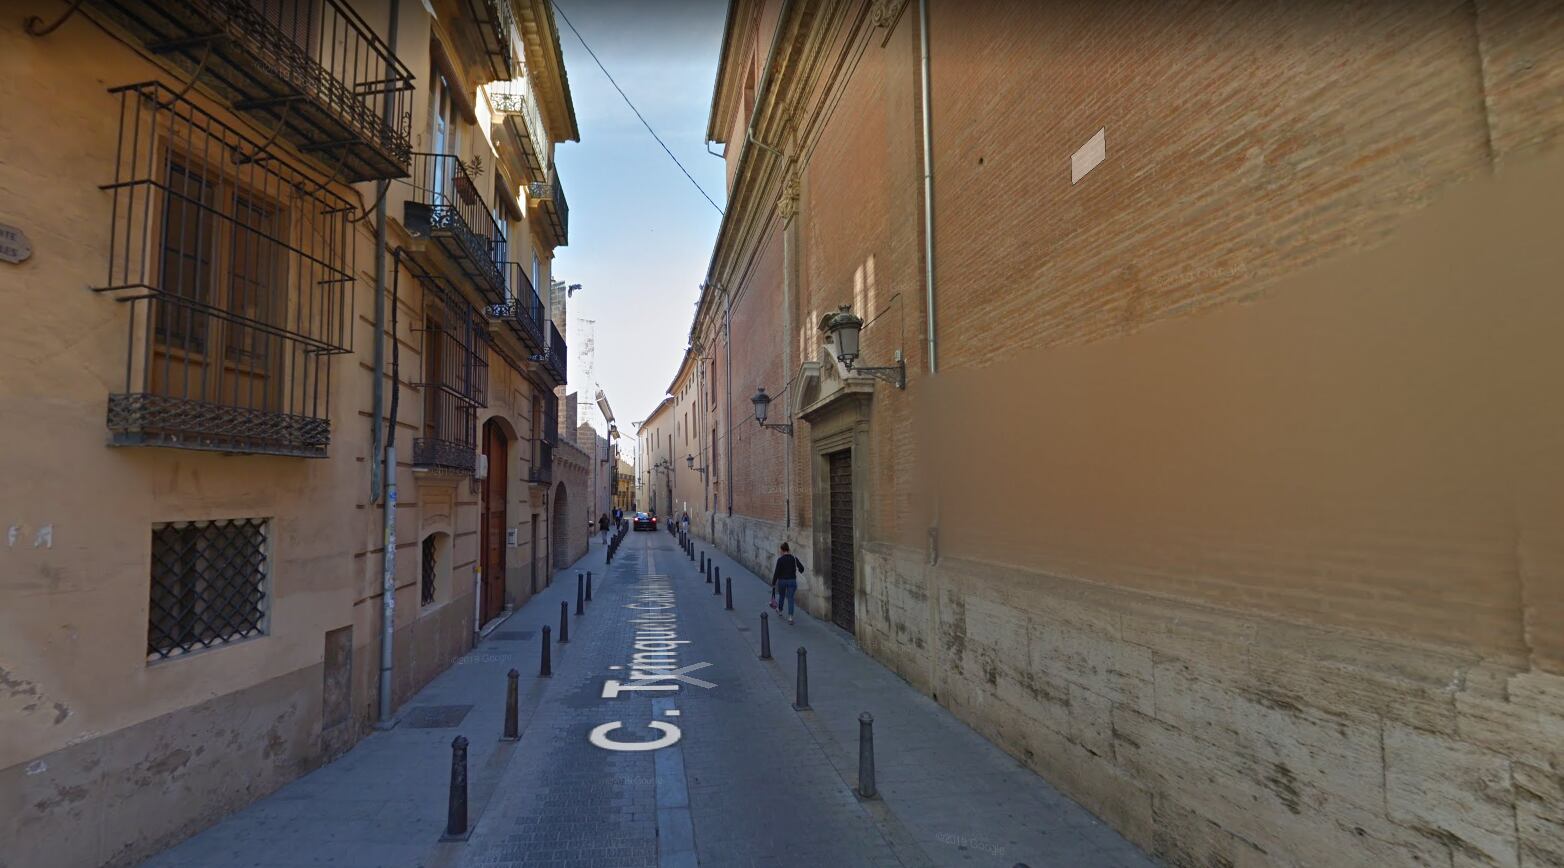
column 644, row 521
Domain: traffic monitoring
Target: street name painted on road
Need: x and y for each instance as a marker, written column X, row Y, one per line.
column 654, row 665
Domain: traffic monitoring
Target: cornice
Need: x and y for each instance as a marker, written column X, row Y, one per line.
column 725, row 90
column 540, row 38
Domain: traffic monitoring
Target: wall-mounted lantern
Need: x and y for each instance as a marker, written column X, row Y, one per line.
column 844, row 328
column 762, row 403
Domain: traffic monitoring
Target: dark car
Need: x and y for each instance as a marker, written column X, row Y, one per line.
column 643, row 521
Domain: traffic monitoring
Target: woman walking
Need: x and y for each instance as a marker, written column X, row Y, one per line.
column 784, row 579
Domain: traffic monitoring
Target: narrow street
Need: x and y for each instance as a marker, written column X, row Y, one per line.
column 749, row 780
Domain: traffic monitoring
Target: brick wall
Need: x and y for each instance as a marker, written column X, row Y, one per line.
column 1248, row 502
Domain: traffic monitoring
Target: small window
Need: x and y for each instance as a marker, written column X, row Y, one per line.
column 431, row 567
column 209, row 585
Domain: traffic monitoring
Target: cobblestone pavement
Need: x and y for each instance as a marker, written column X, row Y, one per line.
column 749, row 781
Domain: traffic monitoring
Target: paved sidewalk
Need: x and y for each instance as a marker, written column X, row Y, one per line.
column 749, row 781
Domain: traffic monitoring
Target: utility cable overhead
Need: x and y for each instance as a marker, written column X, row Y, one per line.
column 637, row 111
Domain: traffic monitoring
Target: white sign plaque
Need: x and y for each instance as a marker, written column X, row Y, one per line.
column 1090, row 154
column 14, row 246
column 510, row 537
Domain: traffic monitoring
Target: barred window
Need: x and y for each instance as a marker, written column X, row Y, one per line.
column 209, row 584
column 430, row 566
column 454, row 381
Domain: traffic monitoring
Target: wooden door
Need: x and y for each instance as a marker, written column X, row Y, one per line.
column 841, row 523
column 493, row 523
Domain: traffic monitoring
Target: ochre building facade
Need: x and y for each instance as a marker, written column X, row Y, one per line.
column 193, row 608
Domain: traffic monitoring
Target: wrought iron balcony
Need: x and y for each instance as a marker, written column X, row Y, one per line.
column 523, row 312
column 313, row 70
column 550, row 197
column 447, row 207
column 432, row 453
column 517, row 106
column 496, row 23
column 236, row 269
column 554, row 360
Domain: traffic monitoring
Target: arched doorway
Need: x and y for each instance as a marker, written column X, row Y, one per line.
column 559, row 526
column 492, row 525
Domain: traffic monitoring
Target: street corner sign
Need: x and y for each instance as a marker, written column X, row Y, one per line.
column 14, row 246
column 653, row 668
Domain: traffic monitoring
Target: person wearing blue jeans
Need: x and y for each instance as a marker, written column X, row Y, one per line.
column 784, row 580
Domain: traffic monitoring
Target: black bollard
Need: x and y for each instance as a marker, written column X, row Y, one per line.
column 765, row 636
column 564, row 622
column 545, row 670
column 716, row 583
column 729, row 595
column 580, row 594
column 707, row 571
column 589, row 586
column 512, row 727
column 456, row 812
column 801, row 701
column 866, row 756
column 703, row 562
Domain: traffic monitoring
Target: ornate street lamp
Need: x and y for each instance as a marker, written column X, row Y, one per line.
column 844, row 328
column 762, row 403
column 689, row 461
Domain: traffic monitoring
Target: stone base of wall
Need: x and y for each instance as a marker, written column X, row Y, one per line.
column 1215, row 738
column 1212, row 737
column 124, row 796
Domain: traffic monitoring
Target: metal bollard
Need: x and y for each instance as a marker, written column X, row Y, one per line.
column 866, row 756
column 765, row 636
column 589, row 586
column 707, row 571
column 729, row 594
column 512, row 727
column 801, row 701
column 716, row 586
column 564, row 622
column 456, row 811
column 703, row 562
column 545, row 670
column 580, row 594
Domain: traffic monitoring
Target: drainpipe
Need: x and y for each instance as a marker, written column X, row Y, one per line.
column 928, row 288
column 377, row 399
column 388, row 558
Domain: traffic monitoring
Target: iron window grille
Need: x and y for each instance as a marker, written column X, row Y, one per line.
column 209, row 585
column 236, row 269
column 313, row 70
column 454, row 383
column 446, row 205
column 427, row 589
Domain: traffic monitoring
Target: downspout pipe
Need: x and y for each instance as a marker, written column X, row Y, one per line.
column 388, row 558
column 382, row 434
column 377, row 394
column 928, row 186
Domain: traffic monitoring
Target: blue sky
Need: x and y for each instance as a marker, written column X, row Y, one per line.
column 640, row 234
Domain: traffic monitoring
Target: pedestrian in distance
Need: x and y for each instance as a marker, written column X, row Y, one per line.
column 784, row 579
column 602, row 525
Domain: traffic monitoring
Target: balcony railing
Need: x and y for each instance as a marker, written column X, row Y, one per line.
column 446, row 206
column 550, row 196
column 523, row 312
column 554, row 360
column 496, row 23
column 236, row 269
column 514, row 101
column 313, row 70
